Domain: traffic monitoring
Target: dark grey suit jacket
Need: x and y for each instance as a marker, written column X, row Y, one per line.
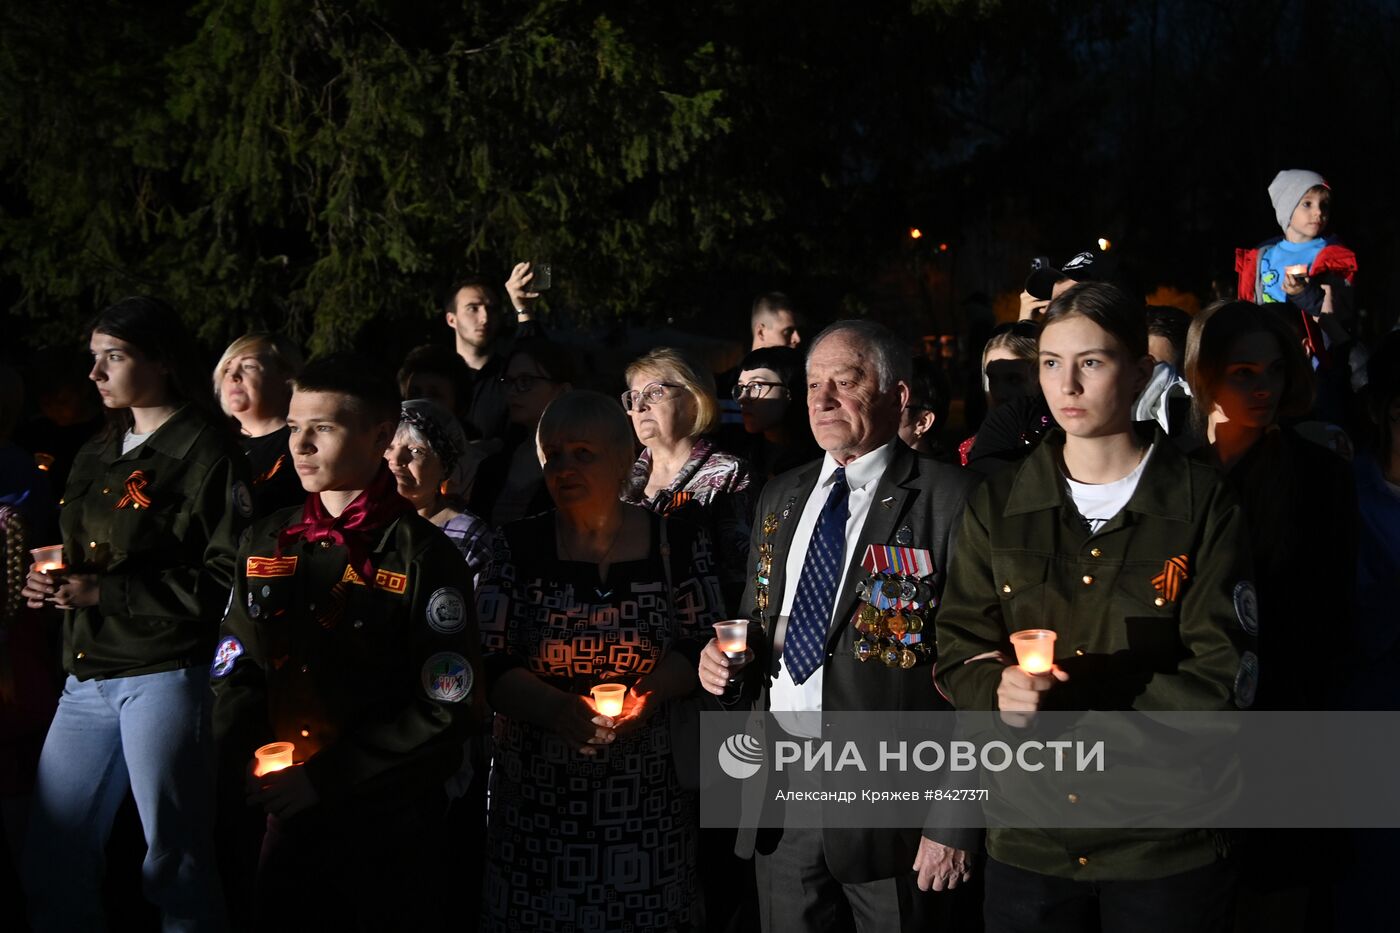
column 928, row 498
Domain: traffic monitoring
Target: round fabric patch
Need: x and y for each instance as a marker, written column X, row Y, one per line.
column 447, row 676
column 1247, row 607
column 242, row 499
column 225, row 657
column 447, row 611
column 1247, row 680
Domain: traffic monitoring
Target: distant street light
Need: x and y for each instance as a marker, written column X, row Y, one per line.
column 1105, row 243
column 943, row 247
column 915, row 233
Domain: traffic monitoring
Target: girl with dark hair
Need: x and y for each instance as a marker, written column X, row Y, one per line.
column 1248, row 375
column 772, row 397
column 1136, row 558
column 150, row 522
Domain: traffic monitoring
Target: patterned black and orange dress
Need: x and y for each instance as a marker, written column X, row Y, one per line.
column 578, row 843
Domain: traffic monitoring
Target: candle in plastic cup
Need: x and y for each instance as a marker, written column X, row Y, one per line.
column 1035, row 649
column 273, row 757
column 1299, row 270
column 48, row 559
column 607, row 698
column 733, row 637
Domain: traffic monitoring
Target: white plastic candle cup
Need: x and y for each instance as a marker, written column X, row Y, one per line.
column 1035, row 649
column 607, row 699
column 733, row 637
column 48, row 559
column 273, row 757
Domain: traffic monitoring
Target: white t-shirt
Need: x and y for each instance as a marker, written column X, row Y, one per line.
column 131, row 440
column 1099, row 502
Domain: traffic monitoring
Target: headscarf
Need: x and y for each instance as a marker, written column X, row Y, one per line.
column 440, row 429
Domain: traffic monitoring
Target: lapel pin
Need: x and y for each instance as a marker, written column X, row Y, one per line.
column 887, row 502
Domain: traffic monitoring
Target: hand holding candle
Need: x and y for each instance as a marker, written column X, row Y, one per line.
column 733, row 637
column 607, row 699
column 48, row 559
column 1035, row 649
column 274, row 756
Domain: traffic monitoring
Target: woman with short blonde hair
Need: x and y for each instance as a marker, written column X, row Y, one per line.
column 671, row 402
column 253, row 384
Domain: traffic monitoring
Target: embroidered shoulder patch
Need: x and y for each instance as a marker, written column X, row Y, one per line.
column 447, row 677
column 226, row 655
column 1247, row 607
column 272, row 566
column 447, row 611
column 242, row 499
column 1247, row 680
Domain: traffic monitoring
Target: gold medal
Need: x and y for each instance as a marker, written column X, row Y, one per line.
column 770, row 525
column 916, row 623
column 891, row 656
column 898, row 624
column 869, row 617
column 907, row 659
column 864, row 650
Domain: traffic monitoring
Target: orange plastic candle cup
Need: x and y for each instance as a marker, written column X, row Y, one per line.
column 1035, row 649
column 48, row 559
column 733, row 637
column 273, row 757
column 607, row 699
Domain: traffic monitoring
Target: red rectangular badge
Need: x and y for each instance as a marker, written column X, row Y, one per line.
column 272, row 566
column 396, row 583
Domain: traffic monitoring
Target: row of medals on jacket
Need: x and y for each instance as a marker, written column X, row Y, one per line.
column 883, row 628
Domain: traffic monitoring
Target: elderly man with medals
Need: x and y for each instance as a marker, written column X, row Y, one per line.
column 849, row 554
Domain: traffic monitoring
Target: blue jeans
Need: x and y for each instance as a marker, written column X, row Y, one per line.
column 151, row 733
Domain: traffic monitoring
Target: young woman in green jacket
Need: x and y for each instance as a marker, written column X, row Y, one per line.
column 150, row 519
column 1137, row 559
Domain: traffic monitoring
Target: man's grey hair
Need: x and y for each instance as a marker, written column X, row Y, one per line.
column 893, row 363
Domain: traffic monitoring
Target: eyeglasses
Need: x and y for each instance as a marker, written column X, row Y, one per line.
column 523, row 383
column 651, row 394
column 756, row 389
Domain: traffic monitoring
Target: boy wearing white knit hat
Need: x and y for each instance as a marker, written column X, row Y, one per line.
column 1305, row 267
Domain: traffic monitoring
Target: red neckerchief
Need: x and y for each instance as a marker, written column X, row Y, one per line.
column 372, row 510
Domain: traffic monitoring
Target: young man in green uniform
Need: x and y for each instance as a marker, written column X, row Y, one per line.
column 351, row 634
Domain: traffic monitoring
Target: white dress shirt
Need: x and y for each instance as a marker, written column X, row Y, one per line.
column 862, row 476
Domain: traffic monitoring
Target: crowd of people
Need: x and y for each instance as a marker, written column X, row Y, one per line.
column 336, row 635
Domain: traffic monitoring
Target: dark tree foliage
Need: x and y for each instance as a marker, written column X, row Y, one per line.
column 315, row 166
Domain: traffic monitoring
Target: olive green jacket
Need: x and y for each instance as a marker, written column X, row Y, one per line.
column 159, row 526
column 376, row 683
column 1132, row 633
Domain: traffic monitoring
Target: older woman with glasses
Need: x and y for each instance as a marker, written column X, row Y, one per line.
column 509, row 483
column 672, row 403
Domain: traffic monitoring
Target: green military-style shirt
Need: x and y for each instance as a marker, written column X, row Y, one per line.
column 160, row 527
column 375, row 682
column 1154, row 611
